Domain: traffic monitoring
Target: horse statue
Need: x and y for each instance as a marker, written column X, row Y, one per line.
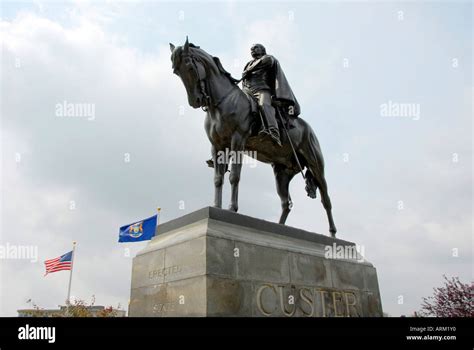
column 231, row 124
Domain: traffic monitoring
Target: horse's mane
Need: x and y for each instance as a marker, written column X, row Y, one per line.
column 211, row 61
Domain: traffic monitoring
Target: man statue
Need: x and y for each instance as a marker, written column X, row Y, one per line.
column 263, row 78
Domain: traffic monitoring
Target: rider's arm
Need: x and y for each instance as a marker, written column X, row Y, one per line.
column 265, row 62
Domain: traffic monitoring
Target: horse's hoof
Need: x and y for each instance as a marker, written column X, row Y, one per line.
column 210, row 163
column 333, row 232
column 233, row 208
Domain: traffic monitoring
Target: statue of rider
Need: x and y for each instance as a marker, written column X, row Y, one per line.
column 263, row 78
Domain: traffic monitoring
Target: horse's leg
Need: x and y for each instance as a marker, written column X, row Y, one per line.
column 323, row 189
column 314, row 159
column 220, row 167
column 236, row 148
column 282, row 178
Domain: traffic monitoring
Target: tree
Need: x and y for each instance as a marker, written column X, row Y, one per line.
column 78, row 308
column 454, row 299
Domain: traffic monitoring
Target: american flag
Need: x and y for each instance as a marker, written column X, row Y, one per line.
column 64, row 262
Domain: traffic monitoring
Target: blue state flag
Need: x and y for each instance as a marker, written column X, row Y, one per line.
column 138, row 231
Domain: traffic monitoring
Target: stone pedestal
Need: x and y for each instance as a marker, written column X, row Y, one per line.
column 213, row 262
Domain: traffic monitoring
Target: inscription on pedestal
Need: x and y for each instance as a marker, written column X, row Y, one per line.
column 163, row 308
column 164, row 272
column 309, row 301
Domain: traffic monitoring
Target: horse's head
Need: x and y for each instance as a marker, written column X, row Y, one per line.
column 189, row 66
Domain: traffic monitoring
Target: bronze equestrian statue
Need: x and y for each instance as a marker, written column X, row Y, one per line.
column 237, row 122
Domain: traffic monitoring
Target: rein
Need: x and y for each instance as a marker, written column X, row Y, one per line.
column 204, row 86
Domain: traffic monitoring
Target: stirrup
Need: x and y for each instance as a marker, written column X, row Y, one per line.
column 275, row 137
column 276, row 140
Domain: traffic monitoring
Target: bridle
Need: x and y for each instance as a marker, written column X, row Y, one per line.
column 191, row 62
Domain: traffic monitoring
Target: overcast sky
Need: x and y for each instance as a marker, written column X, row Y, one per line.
column 401, row 186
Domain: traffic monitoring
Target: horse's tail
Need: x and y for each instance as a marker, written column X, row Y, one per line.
column 311, row 185
column 315, row 163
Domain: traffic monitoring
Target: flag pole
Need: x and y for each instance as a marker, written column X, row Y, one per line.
column 158, row 217
column 70, row 275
